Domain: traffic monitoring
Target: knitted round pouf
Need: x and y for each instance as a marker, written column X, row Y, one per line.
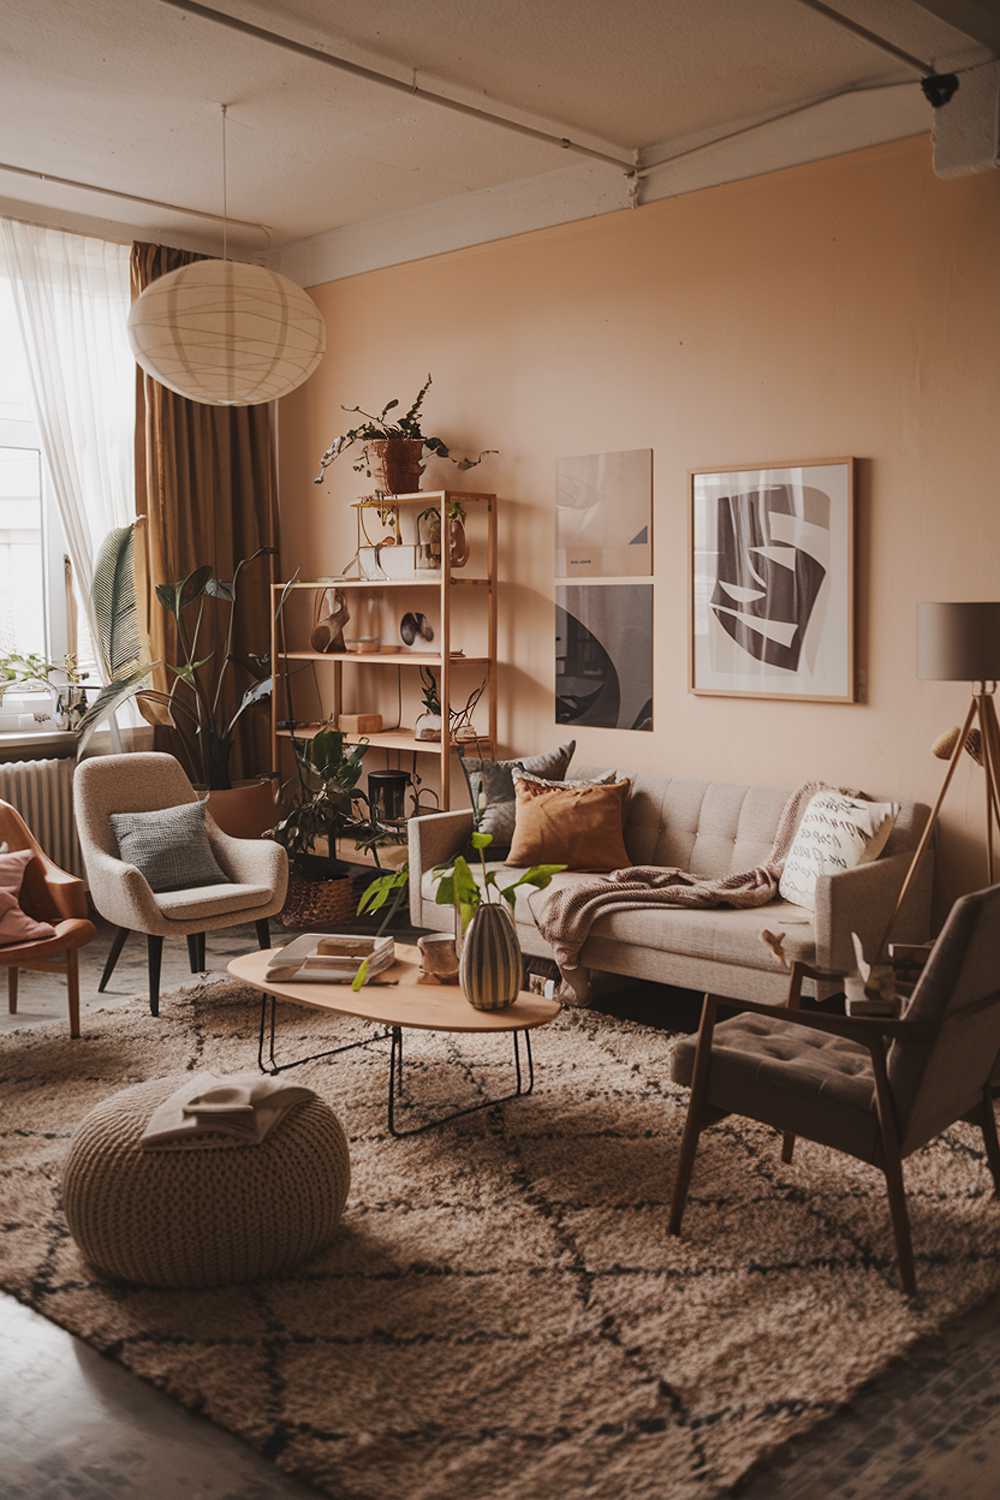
column 207, row 1216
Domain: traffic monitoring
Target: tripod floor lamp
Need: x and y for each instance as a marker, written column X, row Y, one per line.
column 961, row 643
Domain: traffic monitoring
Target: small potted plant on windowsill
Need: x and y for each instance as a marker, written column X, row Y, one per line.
column 393, row 447
column 63, row 680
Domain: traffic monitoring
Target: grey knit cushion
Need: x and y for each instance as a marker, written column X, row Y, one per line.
column 170, row 847
column 491, row 789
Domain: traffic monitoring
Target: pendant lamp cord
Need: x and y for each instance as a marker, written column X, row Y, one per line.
column 225, row 188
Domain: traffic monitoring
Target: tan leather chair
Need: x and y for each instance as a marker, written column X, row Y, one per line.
column 257, row 869
column 49, row 895
column 875, row 1089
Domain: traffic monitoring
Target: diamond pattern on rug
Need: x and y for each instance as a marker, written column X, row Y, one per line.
column 503, row 1314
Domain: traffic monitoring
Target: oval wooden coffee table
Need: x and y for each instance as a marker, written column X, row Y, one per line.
column 395, row 1001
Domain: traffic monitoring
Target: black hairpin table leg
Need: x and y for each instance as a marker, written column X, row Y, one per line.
column 524, row 1075
column 525, row 1082
column 268, row 1009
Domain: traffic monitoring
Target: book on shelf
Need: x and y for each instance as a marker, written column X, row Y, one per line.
column 330, row 959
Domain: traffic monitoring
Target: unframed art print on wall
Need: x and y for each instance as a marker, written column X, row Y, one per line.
column 772, row 581
column 604, row 515
column 604, row 655
column 604, row 606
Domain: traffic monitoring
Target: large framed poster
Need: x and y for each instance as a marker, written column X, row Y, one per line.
column 772, row 581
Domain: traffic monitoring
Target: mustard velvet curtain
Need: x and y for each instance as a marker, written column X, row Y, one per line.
column 206, row 482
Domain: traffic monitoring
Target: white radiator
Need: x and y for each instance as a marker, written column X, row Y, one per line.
column 42, row 792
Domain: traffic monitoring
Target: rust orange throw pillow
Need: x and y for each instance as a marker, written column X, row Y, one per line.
column 574, row 825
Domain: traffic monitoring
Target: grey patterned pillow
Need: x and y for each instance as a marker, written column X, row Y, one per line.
column 169, row 847
column 491, row 789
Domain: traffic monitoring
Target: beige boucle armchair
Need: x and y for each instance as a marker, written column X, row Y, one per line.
column 146, row 782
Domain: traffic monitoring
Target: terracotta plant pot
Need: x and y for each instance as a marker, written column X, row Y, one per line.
column 245, row 811
column 396, row 464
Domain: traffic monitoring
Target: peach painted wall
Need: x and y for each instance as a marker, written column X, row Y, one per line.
column 846, row 307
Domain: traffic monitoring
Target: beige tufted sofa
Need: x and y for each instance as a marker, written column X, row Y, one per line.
column 145, row 782
column 711, row 829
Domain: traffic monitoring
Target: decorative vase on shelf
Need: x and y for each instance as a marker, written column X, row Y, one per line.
column 458, row 543
column 490, row 962
column 427, row 726
column 396, row 464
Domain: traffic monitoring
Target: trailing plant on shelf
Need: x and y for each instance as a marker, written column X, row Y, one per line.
column 198, row 704
column 393, row 446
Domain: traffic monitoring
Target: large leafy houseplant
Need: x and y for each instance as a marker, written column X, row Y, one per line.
column 376, row 429
column 327, row 804
column 199, row 703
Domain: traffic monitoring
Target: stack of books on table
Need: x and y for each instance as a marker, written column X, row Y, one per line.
column 331, row 959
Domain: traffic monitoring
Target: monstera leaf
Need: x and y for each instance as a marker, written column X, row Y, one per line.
column 119, row 637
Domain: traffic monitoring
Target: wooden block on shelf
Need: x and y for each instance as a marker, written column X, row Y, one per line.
column 359, row 723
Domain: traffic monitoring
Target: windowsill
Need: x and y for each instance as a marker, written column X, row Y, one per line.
column 41, row 744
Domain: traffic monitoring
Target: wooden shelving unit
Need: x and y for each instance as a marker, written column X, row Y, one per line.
column 444, row 661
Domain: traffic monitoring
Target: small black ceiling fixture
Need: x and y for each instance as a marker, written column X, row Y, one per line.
column 938, row 88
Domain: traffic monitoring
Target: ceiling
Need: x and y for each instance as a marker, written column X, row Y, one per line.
column 126, row 94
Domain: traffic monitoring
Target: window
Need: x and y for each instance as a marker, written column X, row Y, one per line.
column 39, row 612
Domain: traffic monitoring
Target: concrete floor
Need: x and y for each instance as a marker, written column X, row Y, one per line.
column 75, row 1426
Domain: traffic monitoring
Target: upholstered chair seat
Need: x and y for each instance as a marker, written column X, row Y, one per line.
column 875, row 1088
column 814, row 1084
column 256, row 870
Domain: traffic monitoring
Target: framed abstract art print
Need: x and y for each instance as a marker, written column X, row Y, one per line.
column 772, row 581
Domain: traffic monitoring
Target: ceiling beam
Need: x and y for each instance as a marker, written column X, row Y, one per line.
column 978, row 19
column 614, row 156
column 864, row 34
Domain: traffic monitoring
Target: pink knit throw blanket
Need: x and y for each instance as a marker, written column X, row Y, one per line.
column 565, row 915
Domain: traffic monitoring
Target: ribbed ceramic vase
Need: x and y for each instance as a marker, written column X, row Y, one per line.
column 490, row 967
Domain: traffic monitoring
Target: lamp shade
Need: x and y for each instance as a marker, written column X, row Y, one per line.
column 958, row 642
column 227, row 333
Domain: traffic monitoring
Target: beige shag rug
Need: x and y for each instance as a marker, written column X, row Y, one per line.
column 503, row 1314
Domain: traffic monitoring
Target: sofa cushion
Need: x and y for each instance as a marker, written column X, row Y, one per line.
column 212, row 900
column 836, row 833
column 579, row 825
column 708, row 828
column 770, row 1069
column 721, row 934
column 491, row 788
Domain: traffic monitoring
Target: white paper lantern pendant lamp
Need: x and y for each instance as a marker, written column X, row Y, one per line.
column 227, row 333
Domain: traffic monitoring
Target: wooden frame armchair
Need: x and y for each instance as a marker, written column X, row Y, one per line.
column 49, row 895
column 875, row 1089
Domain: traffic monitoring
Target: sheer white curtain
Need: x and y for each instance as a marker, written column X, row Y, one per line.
column 72, row 298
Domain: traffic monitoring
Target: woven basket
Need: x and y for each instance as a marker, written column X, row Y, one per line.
column 314, row 903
